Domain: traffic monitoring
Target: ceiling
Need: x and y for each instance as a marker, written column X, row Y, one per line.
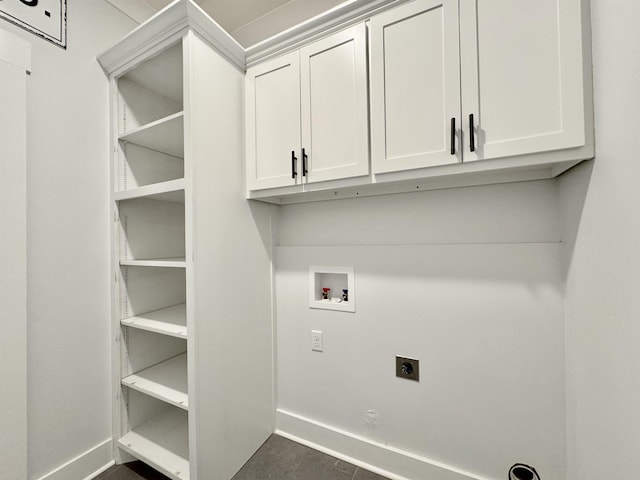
column 251, row 21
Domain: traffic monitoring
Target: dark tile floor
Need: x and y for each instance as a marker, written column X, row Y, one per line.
column 277, row 459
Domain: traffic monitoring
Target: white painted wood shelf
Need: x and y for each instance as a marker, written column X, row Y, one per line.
column 166, row 381
column 162, row 442
column 165, row 135
column 177, row 155
column 156, row 262
column 170, row 191
column 170, row 321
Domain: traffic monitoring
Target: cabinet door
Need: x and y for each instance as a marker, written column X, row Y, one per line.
column 273, row 123
column 333, row 78
column 415, row 86
column 522, row 76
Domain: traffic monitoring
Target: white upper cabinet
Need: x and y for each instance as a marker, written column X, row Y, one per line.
column 415, row 86
column 511, row 74
column 460, row 92
column 273, row 122
column 522, row 77
column 307, row 114
column 333, row 78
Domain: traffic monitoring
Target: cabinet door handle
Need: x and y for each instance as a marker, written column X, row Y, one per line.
column 453, row 136
column 472, row 136
column 294, row 162
column 304, row 163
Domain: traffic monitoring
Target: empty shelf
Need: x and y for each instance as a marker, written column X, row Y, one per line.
column 165, row 135
column 158, row 262
column 166, row 381
column 168, row 321
column 171, row 191
column 162, row 442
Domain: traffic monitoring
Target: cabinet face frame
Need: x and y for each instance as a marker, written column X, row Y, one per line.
column 389, row 98
column 334, row 118
column 571, row 84
column 273, row 123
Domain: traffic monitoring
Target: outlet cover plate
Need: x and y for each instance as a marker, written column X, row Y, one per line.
column 408, row 368
column 316, row 341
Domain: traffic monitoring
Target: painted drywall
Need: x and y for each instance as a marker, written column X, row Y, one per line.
column 469, row 281
column 69, row 364
column 602, row 234
column 15, row 56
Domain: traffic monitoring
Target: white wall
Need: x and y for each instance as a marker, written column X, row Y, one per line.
column 600, row 204
column 15, row 57
column 68, row 242
column 469, row 281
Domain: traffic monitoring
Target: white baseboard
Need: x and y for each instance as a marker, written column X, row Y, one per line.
column 86, row 465
column 384, row 460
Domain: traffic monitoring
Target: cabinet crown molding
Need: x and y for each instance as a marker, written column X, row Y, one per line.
column 165, row 27
column 169, row 24
column 342, row 16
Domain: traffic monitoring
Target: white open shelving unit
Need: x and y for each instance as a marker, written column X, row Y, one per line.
column 177, row 95
column 149, row 207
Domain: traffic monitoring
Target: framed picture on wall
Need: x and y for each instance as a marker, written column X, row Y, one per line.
column 44, row 18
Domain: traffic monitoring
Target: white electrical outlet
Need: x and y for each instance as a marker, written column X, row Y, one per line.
column 316, row 340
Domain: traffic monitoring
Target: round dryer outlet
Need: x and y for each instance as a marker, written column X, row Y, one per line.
column 520, row 471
